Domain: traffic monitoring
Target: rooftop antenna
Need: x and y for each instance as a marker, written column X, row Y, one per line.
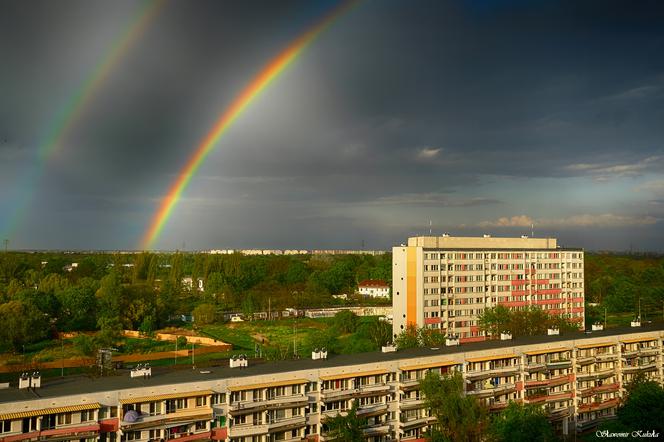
column 429, row 227
column 532, row 230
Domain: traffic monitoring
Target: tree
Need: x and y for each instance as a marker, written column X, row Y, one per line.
column 458, row 417
column 345, row 321
column 21, row 324
column 346, row 428
column 204, row 314
column 408, row 338
column 519, row 423
column 643, row 410
column 379, row 332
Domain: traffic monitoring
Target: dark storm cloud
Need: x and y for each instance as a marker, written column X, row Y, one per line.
column 399, row 113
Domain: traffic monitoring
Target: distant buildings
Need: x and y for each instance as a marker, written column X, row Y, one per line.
column 374, row 288
column 446, row 282
column 253, row 252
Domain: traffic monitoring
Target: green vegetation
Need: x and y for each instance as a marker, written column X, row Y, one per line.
column 279, row 339
column 458, row 417
column 346, row 428
column 528, row 322
column 521, row 423
column 619, row 284
column 43, row 293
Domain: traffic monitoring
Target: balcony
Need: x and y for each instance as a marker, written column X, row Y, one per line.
column 500, row 371
column 372, row 390
column 376, row 430
column 247, row 430
column 328, row 395
column 181, row 416
column 648, row 351
column 585, row 360
column 558, row 364
column 493, row 391
column 372, row 410
column 409, row 384
column 275, row 402
column 416, row 422
column 558, row 396
column 411, row 404
column 603, row 357
column 192, row 437
column 645, row 367
column 596, row 406
column 286, row 423
column 535, row 367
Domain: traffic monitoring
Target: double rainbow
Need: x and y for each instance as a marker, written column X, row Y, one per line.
column 258, row 84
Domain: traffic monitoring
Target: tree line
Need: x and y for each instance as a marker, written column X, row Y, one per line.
column 42, row 293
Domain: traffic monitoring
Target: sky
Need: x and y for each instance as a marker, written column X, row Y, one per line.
column 477, row 116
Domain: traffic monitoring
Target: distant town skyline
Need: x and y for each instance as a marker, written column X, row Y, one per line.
column 498, row 117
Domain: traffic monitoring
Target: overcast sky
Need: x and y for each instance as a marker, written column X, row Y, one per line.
column 481, row 116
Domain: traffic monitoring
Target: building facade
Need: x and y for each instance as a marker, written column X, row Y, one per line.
column 374, row 288
column 446, row 282
column 577, row 378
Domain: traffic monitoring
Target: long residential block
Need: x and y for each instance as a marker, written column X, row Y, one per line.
column 578, row 378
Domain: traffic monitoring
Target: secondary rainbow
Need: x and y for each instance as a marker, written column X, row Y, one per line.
column 75, row 106
column 270, row 72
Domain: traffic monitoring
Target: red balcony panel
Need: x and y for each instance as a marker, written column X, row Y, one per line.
column 23, row 436
column 71, row 430
column 219, row 433
column 432, row 320
column 540, row 281
column 519, row 386
column 549, row 301
column 577, row 309
column 549, row 291
column 191, row 437
column 576, row 299
column 518, row 281
column 519, row 292
column 109, row 425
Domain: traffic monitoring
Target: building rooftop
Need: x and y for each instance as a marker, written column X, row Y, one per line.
column 482, row 242
column 79, row 384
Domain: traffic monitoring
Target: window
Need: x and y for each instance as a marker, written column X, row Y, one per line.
column 88, row 415
column 64, row 419
column 48, row 422
column 155, row 408
column 201, row 425
column 201, row 401
column 5, row 426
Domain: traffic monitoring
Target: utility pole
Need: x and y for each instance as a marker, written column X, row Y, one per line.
column 6, row 243
column 176, row 350
column 62, row 356
column 193, row 356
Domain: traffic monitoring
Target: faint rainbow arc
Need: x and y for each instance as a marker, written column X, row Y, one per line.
column 77, row 103
column 264, row 77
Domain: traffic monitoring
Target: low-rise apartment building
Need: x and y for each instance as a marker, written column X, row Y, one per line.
column 446, row 282
column 577, row 378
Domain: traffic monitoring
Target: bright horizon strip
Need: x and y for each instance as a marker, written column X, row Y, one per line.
column 270, row 72
column 77, row 104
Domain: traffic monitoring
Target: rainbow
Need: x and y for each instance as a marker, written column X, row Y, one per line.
column 269, row 73
column 74, row 108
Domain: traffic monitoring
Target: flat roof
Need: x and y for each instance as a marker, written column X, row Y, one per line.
column 80, row 384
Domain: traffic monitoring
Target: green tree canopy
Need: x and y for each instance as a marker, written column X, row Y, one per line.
column 459, row 418
column 346, row 428
column 521, row 423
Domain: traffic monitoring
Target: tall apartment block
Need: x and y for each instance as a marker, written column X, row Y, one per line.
column 446, row 282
